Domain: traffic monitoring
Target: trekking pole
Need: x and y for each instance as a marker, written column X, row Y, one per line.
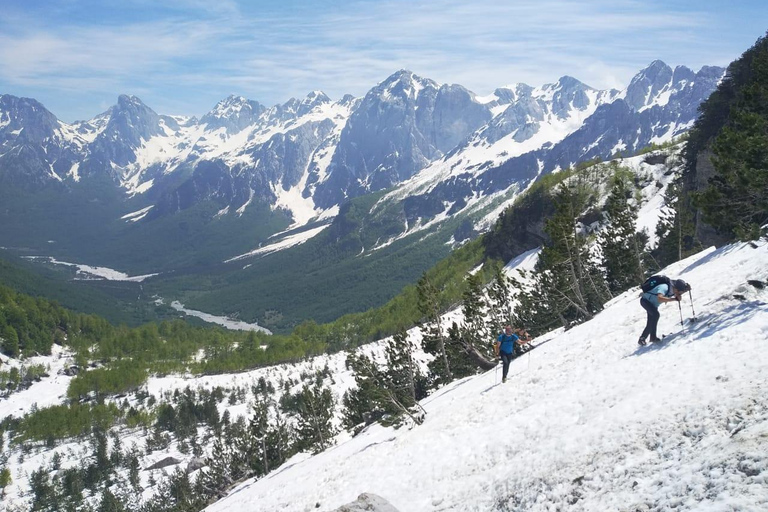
column 496, row 374
column 681, row 313
column 693, row 312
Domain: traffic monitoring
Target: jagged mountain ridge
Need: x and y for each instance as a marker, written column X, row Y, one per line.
column 311, row 155
column 576, row 124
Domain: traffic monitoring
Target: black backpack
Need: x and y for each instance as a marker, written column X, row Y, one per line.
column 654, row 281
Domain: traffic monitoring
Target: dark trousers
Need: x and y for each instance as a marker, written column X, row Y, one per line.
column 653, row 319
column 505, row 360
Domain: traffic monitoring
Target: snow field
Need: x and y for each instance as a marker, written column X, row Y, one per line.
column 589, row 421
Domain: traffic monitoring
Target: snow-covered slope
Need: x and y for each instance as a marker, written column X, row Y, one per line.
column 588, row 421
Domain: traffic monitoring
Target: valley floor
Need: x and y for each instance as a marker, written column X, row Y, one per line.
column 589, row 421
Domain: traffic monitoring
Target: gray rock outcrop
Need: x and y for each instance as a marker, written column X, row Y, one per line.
column 367, row 502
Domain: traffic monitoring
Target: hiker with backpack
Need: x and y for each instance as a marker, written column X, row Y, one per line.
column 657, row 290
column 504, row 347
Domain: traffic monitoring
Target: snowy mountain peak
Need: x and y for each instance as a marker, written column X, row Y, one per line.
column 233, row 113
column 683, row 73
column 403, row 83
column 347, row 99
column 317, row 96
column 569, row 82
column 654, row 70
column 312, row 100
column 129, row 101
column 648, row 84
column 25, row 119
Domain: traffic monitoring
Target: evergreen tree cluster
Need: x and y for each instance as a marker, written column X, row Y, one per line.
column 734, row 126
column 387, row 392
column 594, row 251
column 111, row 476
column 27, row 325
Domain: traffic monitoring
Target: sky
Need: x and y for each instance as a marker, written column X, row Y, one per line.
column 183, row 56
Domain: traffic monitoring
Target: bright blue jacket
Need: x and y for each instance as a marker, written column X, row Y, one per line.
column 653, row 295
column 508, row 343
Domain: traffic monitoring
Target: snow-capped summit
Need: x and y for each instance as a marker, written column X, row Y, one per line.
column 25, row 119
column 399, row 127
column 648, row 84
column 130, row 123
column 36, row 149
column 402, row 84
column 234, row 113
column 313, row 100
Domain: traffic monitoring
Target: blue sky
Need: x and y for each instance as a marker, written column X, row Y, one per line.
column 182, row 56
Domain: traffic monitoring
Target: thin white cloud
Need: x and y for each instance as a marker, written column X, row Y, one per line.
column 198, row 50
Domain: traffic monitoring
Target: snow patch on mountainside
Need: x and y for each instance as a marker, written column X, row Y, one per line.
column 284, row 243
column 88, row 272
column 229, row 323
column 137, row 215
column 296, row 199
column 51, row 390
column 479, row 154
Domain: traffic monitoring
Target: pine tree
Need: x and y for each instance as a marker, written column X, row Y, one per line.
column 389, row 392
column 44, row 496
column 258, row 429
column 499, row 305
column 402, row 370
column 132, row 462
column 10, row 343
column 314, row 415
column 433, row 333
column 280, row 439
column 218, row 475
column 567, row 286
column 574, row 279
column 5, row 480
column 474, row 309
column 109, row 503
column 360, row 406
column 623, row 249
column 472, row 337
column 676, row 228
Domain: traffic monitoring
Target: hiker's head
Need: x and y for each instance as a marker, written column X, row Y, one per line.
column 681, row 286
column 508, row 329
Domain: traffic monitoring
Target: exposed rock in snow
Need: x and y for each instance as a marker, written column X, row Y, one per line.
column 164, row 463
column 367, row 503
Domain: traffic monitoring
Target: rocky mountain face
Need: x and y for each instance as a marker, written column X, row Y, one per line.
column 400, row 126
column 441, row 149
column 33, row 150
column 555, row 127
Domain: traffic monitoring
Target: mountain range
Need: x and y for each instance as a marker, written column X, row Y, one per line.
column 145, row 192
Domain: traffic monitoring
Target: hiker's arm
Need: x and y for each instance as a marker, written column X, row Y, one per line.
column 664, row 298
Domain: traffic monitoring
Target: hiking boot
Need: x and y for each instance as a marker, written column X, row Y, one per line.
column 503, row 380
column 655, row 340
column 641, row 342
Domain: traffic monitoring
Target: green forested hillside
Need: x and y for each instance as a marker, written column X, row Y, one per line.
column 732, row 135
column 118, row 302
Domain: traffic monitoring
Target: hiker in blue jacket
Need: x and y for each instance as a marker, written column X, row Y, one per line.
column 505, row 347
column 652, row 299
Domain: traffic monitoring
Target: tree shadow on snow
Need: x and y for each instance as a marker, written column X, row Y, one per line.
column 717, row 253
column 706, row 326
